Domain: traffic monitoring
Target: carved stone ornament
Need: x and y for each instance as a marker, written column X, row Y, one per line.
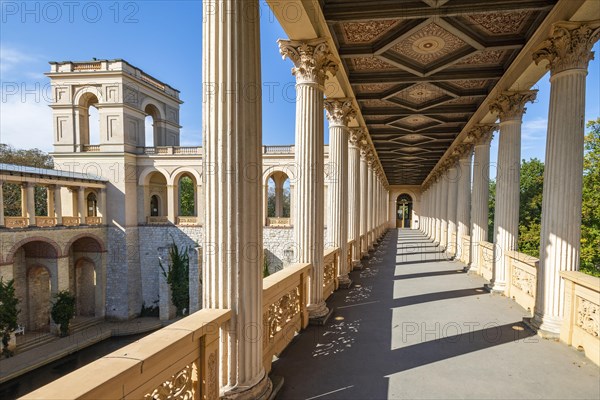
column 482, row 134
column 356, row 136
column 312, row 60
column 588, row 316
column 511, row 105
column 180, row 386
column 339, row 111
column 569, row 46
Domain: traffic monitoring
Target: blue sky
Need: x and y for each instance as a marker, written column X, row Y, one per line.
column 164, row 39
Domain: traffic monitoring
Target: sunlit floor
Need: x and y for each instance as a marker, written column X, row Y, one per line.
column 414, row 325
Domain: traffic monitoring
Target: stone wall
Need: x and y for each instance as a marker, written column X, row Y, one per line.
column 279, row 247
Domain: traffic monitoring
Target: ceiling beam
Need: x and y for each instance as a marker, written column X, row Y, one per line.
column 389, row 9
column 455, row 74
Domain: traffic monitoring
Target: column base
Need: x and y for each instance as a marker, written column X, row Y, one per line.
column 261, row 391
column 317, row 310
column 496, row 288
column 344, row 281
column 356, row 264
column 320, row 321
column 547, row 328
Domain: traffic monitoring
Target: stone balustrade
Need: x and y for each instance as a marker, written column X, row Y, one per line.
column 16, row 222
column 452, row 250
column 330, row 271
column 178, row 361
column 170, row 150
column 70, row 221
column 188, row 221
column 522, row 278
column 45, row 222
column 486, row 259
column 278, row 221
column 284, row 308
column 581, row 323
column 90, row 148
column 157, row 220
column 465, row 254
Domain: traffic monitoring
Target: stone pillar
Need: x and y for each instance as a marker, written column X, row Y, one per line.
column 364, row 195
column 1, row 204
column 58, row 214
column 312, row 60
column 510, row 107
column 452, row 205
column 292, row 203
column 444, row 210
column 354, row 192
column 369, row 210
column 482, row 137
column 568, row 52
column 81, row 206
column 339, row 113
column 29, row 201
column 232, row 165
column 463, row 212
column 50, row 200
column 102, row 205
column 172, row 203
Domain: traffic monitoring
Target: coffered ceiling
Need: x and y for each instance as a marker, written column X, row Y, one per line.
column 420, row 69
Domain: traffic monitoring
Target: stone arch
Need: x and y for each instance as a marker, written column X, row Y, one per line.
column 85, row 286
column 180, row 171
column 39, row 289
column 285, row 169
column 97, row 239
column 156, row 105
column 175, row 180
column 23, row 242
column 82, row 92
column 145, row 175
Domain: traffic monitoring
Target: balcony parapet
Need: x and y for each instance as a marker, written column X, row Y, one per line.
column 330, row 271
column 70, row 221
column 278, row 222
column 188, row 221
column 16, row 222
column 180, row 358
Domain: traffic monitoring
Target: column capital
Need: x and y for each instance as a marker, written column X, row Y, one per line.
column 356, row 136
column 482, row 134
column 569, row 46
column 510, row 105
column 312, row 59
column 339, row 111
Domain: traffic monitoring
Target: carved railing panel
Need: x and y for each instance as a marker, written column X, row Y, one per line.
column 278, row 221
column 93, row 220
column 284, row 308
column 45, row 222
column 581, row 321
column 70, row 221
column 157, row 220
column 181, row 386
column 522, row 278
column 465, row 255
column 16, row 222
column 487, row 259
column 188, row 221
column 330, row 272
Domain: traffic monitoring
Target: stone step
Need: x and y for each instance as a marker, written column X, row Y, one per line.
column 39, row 340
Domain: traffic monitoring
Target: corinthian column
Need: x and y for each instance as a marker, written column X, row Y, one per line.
column 232, row 138
column 312, row 60
column 354, row 195
column 364, row 219
column 339, row 112
column 510, row 107
column 482, row 137
column 568, row 52
column 444, row 210
column 464, row 200
column 451, row 200
column 370, row 161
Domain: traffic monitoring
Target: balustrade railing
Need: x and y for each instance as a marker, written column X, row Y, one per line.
column 284, row 308
column 171, row 150
column 330, row 271
column 581, row 321
column 188, row 221
column 522, row 270
column 278, row 221
column 180, row 361
column 465, row 253
column 289, row 149
column 452, row 250
column 45, row 222
column 486, row 259
column 93, row 220
column 16, row 222
column 70, row 221
column 157, row 220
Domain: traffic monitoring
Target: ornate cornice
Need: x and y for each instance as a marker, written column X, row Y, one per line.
column 569, row 46
column 312, row 59
column 356, row 136
column 339, row 111
column 510, row 105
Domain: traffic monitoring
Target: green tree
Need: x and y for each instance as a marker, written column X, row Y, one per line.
column 492, row 210
column 530, row 206
column 63, row 310
column 590, row 224
column 186, row 197
column 12, row 192
column 8, row 313
column 178, row 278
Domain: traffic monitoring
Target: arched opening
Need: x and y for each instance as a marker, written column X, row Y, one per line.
column 278, row 201
column 187, row 196
column 89, row 120
column 39, row 288
column 151, row 131
column 85, row 260
column 92, row 205
column 35, row 270
column 154, row 206
column 404, row 205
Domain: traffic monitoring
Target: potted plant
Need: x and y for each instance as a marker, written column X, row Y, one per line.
column 63, row 310
column 8, row 314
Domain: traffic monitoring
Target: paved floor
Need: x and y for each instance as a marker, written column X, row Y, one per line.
column 414, row 326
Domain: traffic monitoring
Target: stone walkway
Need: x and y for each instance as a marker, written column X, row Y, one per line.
column 415, row 326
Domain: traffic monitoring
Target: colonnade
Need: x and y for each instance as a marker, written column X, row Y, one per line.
column 453, row 209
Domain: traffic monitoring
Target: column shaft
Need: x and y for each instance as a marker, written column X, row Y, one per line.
column 481, row 192
column 30, row 203
column 1, row 203
column 58, row 205
column 81, row 206
column 464, row 203
column 452, row 204
column 354, row 195
column 364, row 195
